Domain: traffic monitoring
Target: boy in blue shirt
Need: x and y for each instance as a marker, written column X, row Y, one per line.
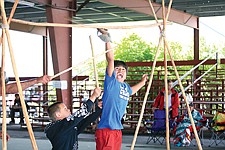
column 115, row 99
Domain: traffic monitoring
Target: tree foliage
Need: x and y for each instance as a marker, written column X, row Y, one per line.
column 133, row 48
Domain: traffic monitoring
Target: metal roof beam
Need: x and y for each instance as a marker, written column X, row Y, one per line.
column 142, row 6
column 28, row 28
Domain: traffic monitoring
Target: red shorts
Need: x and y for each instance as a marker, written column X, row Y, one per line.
column 107, row 139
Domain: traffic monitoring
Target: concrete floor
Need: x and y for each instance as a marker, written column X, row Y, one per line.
column 20, row 141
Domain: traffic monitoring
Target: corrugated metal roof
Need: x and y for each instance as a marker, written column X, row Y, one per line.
column 94, row 11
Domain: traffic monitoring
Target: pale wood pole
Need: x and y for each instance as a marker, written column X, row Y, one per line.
column 180, row 84
column 45, row 24
column 165, row 78
column 178, row 78
column 94, row 63
column 146, row 95
column 183, row 92
column 2, row 40
column 79, row 64
column 4, row 141
column 147, row 92
column 11, row 14
column 5, row 24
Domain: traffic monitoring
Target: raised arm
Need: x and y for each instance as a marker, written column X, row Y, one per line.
column 105, row 37
column 138, row 86
column 12, row 88
column 109, row 58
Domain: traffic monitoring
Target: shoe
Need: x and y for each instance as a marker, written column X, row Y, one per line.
column 12, row 122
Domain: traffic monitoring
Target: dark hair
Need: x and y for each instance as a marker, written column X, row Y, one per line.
column 169, row 80
column 120, row 63
column 52, row 109
column 17, row 94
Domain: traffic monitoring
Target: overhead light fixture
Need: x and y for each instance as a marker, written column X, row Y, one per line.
column 22, row 2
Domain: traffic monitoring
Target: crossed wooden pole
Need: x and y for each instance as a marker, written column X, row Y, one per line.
column 5, row 33
column 166, row 49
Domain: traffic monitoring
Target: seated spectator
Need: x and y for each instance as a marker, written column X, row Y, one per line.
column 17, row 108
column 183, row 129
column 173, row 101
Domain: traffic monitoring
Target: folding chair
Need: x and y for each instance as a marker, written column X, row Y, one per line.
column 157, row 128
column 217, row 128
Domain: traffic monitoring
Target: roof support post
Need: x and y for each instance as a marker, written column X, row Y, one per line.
column 45, row 65
column 197, row 85
column 61, row 47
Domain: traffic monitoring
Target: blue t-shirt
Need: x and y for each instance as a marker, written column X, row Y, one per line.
column 115, row 100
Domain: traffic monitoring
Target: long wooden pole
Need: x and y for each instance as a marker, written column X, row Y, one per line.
column 45, row 24
column 167, row 104
column 183, row 92
column 13, row 11
column 34, row 145
column 154, row 14
column 166, row 85
column 79, row 64
column 146, row 95
column 94, row 62
column 2, row 40
column 11, row 14
column 4, row 140
column 165, row 78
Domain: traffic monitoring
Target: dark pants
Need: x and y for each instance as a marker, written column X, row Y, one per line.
column 12, row 114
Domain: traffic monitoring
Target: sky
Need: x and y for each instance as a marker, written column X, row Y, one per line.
column 27, row 48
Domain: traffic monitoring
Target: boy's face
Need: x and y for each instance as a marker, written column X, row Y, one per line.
column 63, row 113
column 121, row 73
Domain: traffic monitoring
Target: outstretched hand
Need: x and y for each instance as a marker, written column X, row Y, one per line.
column 44, row 79
column 144, row 78
column 100, row 104
column 97, row 92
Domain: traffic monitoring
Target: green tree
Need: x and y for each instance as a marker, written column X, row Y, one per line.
column 133, row 49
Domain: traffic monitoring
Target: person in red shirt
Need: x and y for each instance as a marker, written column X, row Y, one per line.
column 173, row 101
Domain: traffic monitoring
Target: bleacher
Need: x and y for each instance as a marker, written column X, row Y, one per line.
column 208, row 93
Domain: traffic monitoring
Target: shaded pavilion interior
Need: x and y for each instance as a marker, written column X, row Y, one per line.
column 91, row 12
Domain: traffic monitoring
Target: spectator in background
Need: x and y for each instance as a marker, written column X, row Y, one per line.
column 17, row 108
column 173, row 101
column 184, row 129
